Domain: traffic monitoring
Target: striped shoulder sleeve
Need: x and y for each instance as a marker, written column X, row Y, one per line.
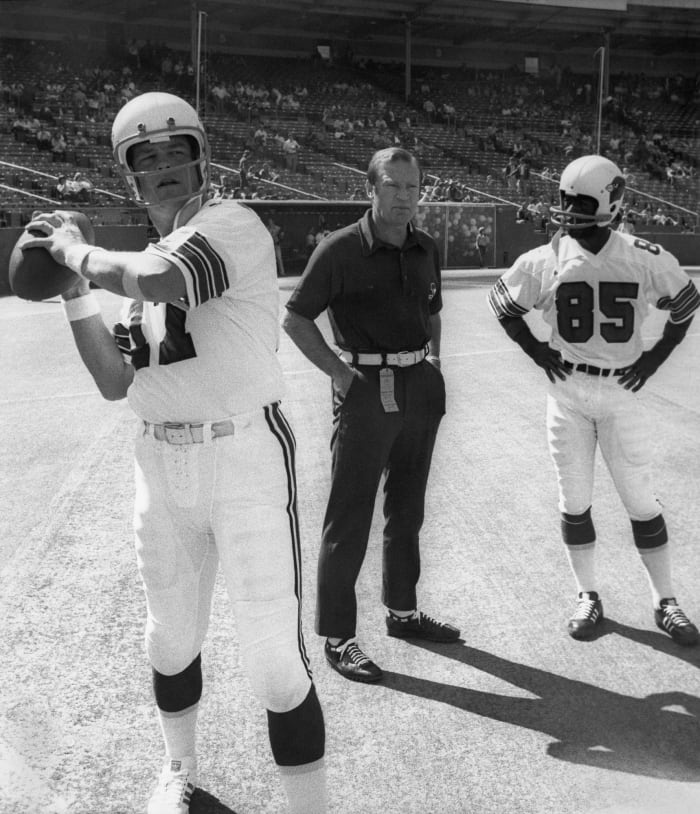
column 518, row 290
column 501, row 301
column 203, row 267
column 683, row 305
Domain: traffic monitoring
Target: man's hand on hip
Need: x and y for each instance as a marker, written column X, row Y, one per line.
column 344, row 378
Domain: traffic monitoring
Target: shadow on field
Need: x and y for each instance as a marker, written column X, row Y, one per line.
column 656, row 736
column 205, row 803
column 655, row 640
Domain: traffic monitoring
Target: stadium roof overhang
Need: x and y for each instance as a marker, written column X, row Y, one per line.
column 656, row 27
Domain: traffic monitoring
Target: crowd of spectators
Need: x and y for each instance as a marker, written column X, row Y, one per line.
column 511, row 107
column 247, row 100
column 291, row 115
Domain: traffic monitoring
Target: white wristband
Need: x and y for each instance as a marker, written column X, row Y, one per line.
column 81, row 307
column 77, row 254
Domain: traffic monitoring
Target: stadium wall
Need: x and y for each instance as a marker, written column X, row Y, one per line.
column 452, row 225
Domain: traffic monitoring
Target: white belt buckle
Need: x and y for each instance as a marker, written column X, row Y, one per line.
column 178, row 434
column 404, row 358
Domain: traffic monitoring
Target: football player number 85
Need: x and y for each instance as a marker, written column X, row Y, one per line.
column 575, row 307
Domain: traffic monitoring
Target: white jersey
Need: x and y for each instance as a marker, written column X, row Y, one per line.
column 213, row 355
column 595, row 303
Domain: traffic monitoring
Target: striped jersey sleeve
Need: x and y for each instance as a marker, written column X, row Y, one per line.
column 683, row 305
column 518, row 290
column 502, row 303
column 205, row 271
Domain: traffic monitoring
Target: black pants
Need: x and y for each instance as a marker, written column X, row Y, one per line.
column 366, row 443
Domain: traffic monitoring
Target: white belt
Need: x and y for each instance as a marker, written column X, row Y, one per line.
column 404, row 358
column 188, row 433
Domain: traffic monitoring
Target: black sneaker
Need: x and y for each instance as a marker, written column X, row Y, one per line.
column 420, row 626
column 671, row 619
column 589, row 613
column 348, row 660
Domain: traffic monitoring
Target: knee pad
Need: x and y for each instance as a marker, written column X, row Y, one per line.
column 298, row 737
column 179, row 691
column 577, row 529
column 649, row 533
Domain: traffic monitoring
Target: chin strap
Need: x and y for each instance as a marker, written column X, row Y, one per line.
column 556, row 238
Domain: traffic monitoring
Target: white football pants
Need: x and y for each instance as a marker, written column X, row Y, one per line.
column 230, row 500
column 584, row 412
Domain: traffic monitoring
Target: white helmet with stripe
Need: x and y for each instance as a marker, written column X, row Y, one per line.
column 590, row 176
column 156, row 117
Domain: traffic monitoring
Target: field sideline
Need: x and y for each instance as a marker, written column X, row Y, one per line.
column 516, row 719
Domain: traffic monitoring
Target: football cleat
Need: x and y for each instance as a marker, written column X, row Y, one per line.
column 176, row 784
column 671, row 619
column 589, row 614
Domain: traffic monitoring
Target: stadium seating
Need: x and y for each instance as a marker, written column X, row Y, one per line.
column 494, row 116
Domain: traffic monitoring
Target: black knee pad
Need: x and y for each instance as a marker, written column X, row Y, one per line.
column 577, row 529
column 175, row 693
column 649, row 533
column 298, row 737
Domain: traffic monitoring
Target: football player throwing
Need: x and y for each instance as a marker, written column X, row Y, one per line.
column 196, row 355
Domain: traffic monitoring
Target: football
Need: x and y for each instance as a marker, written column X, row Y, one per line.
column 35, row 275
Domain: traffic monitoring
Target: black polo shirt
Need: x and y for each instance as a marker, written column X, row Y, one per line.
column 379, row 297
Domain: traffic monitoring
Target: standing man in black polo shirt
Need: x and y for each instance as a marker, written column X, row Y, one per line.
column 379, row 280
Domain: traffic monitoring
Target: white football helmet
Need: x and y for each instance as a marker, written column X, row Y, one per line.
column 155, row 117
column 590, row 176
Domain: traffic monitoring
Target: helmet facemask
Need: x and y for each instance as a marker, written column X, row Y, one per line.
column 145, row 184
column 569, row 217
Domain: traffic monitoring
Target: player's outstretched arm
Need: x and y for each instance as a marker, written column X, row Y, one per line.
column 636, row 375
column 137, row 275
column 540, row 352
column 95, row 343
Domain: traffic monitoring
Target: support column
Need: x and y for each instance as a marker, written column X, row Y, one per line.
column 407, row 72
